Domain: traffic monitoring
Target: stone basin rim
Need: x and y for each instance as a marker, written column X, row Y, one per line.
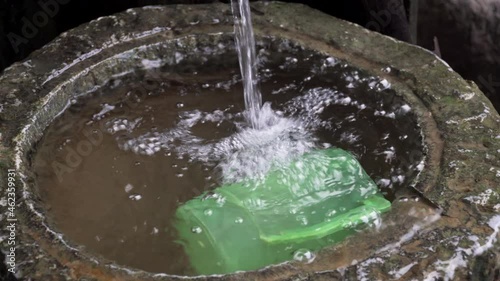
column 21, row 147
column 426, row 120
column 24, row 142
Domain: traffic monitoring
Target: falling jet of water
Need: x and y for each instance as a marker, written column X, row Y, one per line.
column 245, row 44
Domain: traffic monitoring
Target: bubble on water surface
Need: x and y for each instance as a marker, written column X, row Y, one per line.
column 196, row 229
column 128, row 188
column 304, row 255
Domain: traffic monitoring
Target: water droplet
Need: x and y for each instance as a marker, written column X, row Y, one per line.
column 135, row 197
column 128, row 188
column 347, row 224
column 210, row 195
column 331, row 213
column 208, row 212
column 179, row 105
column 154, row 231
column 221, row 200
column 302, row 219
column 304, row 256
column 196, row 229
column 238, row 220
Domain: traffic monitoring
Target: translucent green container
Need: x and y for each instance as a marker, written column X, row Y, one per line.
column 316, row 201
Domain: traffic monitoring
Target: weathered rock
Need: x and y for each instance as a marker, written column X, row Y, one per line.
column 468, row 34
column 456, row 241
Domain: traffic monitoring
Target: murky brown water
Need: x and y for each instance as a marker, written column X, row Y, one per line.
column 113, row 167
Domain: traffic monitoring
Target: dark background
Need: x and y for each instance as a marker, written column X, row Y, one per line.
column 467, row 32
column 76, row 12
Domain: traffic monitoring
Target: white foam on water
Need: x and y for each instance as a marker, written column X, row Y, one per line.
column 304, row 256
column 251, row 153
column 310, row 105
column 122, row 124
column 105, row 109
column 128, row 187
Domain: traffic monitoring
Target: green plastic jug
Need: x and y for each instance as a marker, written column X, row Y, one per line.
column 315, row 201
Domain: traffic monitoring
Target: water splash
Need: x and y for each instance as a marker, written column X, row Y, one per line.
column 251, row 153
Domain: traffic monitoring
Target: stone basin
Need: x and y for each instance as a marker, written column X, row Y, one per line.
column 458, row 186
